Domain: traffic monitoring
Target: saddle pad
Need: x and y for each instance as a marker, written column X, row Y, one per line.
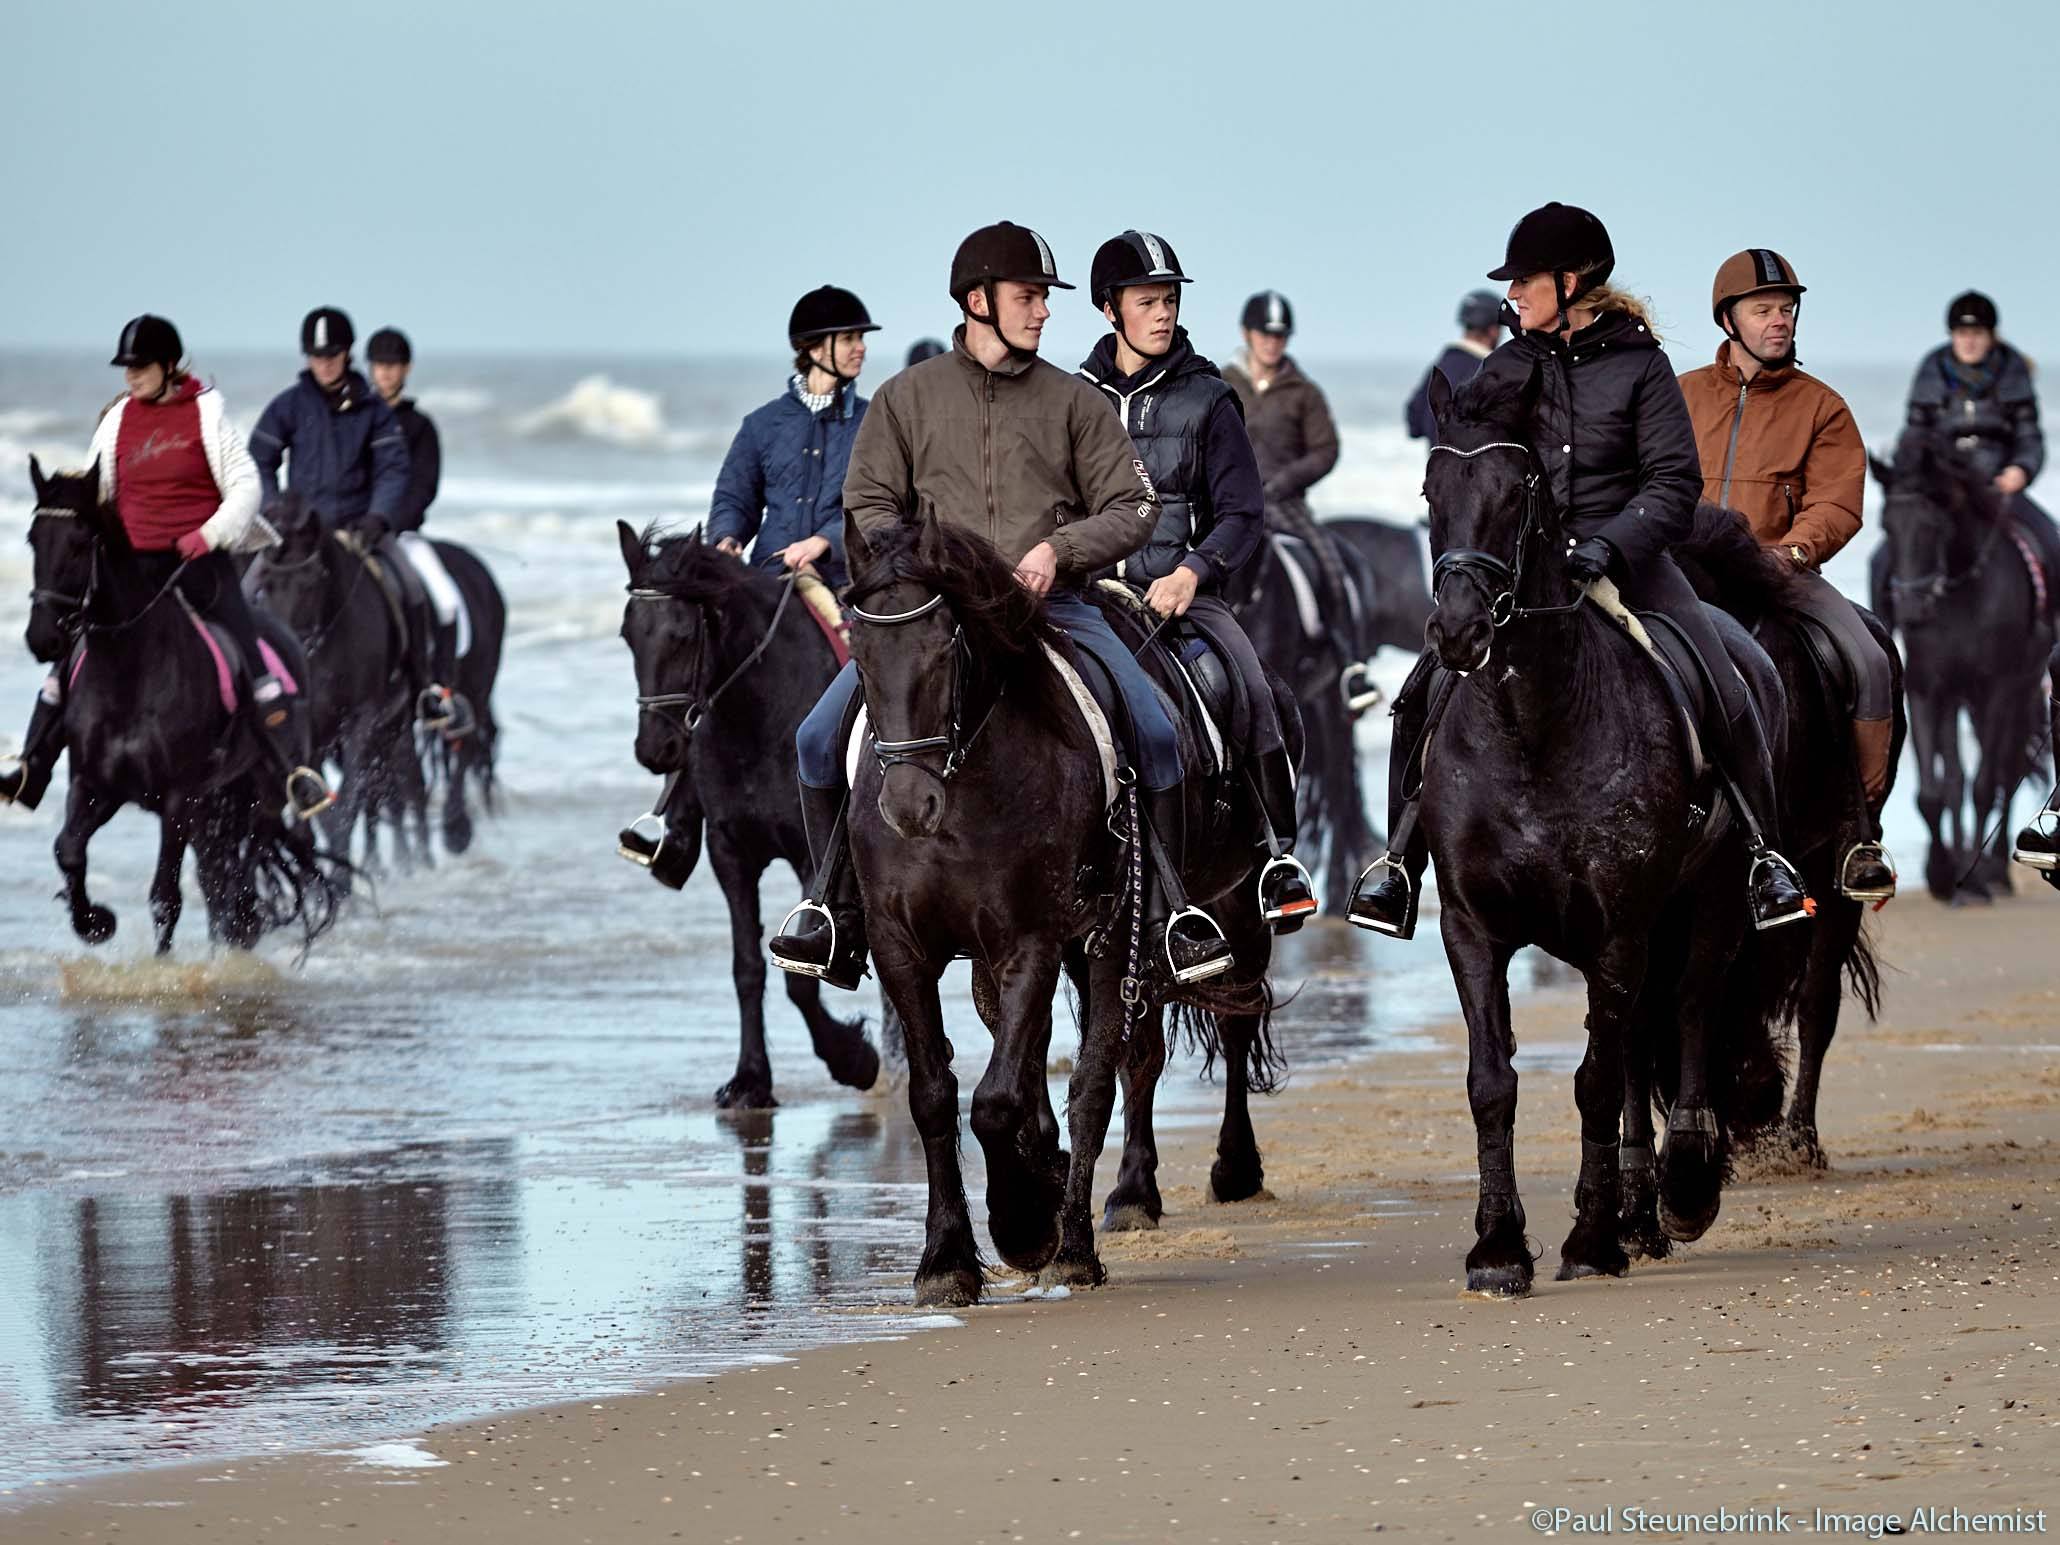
column 220, row 647
column 1294, row 558
column 1133, row 603
column 1603, row 595
column 1090, row 710
column 828, row 615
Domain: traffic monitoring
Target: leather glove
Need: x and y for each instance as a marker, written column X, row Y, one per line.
column 1592, row 560
column 191, row 546
column 372, row 529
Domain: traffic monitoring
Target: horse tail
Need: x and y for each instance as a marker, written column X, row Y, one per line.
column 294, row 882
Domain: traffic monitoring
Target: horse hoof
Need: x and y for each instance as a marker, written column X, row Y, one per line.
column 457, row 836
column 1129, row 1218
column 1073, row 1274
column 1025, row 1249
column 1235, row 1182
column 1643, row 1241
column 1686, row 1227
column 1600, row 1262
column 856, row 1066
column 746, row 1094
column 94, row 924
column 948, row 1289
column 1499, row 1281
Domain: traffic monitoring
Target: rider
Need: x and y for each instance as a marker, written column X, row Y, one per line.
column 1617, row 451
column 994, row 437
column 783, row 479
column 1189, row 428
column 1296, row 441
column 174, row 467
column 350, row 462
column 393, row 358
column 1480, row 329
column 1781, row 448
column 1978, row 389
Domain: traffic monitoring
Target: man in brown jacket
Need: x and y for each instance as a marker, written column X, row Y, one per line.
column 991, row 438
column 1781, row 448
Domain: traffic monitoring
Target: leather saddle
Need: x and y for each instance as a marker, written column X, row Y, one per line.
column 1195, row 673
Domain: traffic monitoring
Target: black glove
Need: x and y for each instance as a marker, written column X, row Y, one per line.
column 371, row 529
column 1592, row 560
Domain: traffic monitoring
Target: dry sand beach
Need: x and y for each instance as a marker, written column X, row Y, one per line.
column 1875, row 1340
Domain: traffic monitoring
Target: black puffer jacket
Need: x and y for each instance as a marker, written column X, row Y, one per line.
column 1613, row 433
column 1990, row 406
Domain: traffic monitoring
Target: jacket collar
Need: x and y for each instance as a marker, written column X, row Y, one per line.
column 1014, row 365
column 1180, row 360
column 1612, row 332
column 845, row 405
column 1765, row 380
column 353, row 394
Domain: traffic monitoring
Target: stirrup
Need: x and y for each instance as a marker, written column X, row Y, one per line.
column 1294, row 908
column 297, row 812
column 2046, row 824
column 1877, row 896
column 642, row 840
column 806, row 967
column 461, row 720
column 433, row 708
column 1201, row 970
column 1365, row 694
column 1767, row 858
column 1385, row 861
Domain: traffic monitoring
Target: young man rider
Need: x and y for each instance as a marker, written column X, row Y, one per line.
column 1781, row 448
column 991, row 435
column 1189, row 430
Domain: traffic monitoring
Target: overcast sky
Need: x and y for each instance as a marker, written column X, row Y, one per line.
column 669, row 177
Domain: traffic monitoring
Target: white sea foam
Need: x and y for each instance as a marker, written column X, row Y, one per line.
column 392, row 1456
column 454, row 401
column 598, row 408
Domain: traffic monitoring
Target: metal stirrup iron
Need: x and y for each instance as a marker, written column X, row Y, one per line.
column 1201, row 971
column 648, row 828
column 807, row 967
column 1294, row 865
column 1355, row 681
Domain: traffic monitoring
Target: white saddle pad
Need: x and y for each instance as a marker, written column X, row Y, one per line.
column 1292, row 556
column 1090, row 710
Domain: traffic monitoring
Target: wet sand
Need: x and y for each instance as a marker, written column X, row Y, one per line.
column 1875, row 1339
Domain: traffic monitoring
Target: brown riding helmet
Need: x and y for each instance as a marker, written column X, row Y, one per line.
column 1748, row 272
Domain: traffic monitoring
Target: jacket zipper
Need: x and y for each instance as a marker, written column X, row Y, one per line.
column 1731, row 455
column 987, row 458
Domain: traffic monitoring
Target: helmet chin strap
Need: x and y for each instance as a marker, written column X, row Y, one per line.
column 1779, row 362
column 831, row 369
column 993, row 321
column 1115, row 305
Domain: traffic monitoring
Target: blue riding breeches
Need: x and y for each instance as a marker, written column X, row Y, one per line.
column 1157, row 748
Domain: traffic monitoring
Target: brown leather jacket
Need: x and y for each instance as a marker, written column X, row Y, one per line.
column 1291, row 429
column 1025, row 454
column 1781, row 449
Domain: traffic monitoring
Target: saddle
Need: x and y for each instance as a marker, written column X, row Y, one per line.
column 1299, row 564
column 391, row 586
column 1196, row 672
column 1681, row 669
column 233, row 673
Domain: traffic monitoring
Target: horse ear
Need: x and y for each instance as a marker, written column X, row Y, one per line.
column 1440, row 397
column 36, row 476
column 632, row 547
column 1884, row 474
column 857, row 549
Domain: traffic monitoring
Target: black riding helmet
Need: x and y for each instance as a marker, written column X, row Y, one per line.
column 1269, row 312
column 1480, row 309
column 389, row 346
column 1559, row 238
column 922, row 349
column 325, row 331
column 1002, row 253
column 1973, row 309
column 148, row 340
column 825, row 312
column 1135, row 257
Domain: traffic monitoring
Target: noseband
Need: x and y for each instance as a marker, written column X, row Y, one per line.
column 692, row 706
column 1500, row 582
column 956, row 745
column 41, row 595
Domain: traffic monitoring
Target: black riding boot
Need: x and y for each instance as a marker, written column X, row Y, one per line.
column 1774, row 891
column 276, row 714
column 2038, row 845
column 26, row 778
column 1184, row 936
column 1287, row 896
column 825, row 936
column 1384, row 900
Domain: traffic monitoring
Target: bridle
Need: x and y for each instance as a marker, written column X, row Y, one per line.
column 73, row 606
column 1936, row 587
column 691, row 705
column 956, row 744
column 1500, row 582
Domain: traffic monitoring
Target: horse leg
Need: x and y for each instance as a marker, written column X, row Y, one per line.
column 1638, row 1229
column 86, row 810
column 457, row 819
column 1500, row 1264
column 1835, row 931
column 166, row 898
column 1134, row 1203
column 1024, row 1181
column 1238, row 1174
column 840, row 1043
column 1925, row 735
column 1692, row 1157
column 1615, row 982
column 949, row 1272
column 751, row 1086
column 1090, row 1099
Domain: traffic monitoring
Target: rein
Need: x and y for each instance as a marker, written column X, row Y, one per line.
column 1501, row 582
column 695, row 709
column 956, row 744
column 142, row 612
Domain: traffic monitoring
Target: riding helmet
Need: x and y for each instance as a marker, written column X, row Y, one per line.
column 325, row 331
column 1002, row 253
column 148, row 340
column 1135, row 257
column 822, row 312
column 922, row 349
column 1973, row 309
column 1747, row 273
column 389, row 346
column 1558, row 238
column 1269, row 312
column 1480, row 310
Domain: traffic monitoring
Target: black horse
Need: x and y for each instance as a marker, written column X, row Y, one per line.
column 1388, row 562
column 1565, row 808
column 145, row 724
column 728, row 664
column 361, row 705
column 980, row 827
column 1977, row 639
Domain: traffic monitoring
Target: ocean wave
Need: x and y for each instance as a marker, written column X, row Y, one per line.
column 597, row 408
column 27, row 421
column 497, row 496
column 454, row 401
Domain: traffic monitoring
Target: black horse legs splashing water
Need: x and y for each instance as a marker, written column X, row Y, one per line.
column 727, row 667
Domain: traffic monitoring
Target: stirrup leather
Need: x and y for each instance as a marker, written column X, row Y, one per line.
column 1289, row 862
column 806, row 967
column 1201, row 971
column 642, row 840
column 1356, row 684
column 2045, row 824
column 1876, row 895
column 1767, row 858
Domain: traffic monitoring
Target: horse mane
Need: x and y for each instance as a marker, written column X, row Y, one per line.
column 1496, row 400
column 688, row 568
column 1926, row 458
column 1002, row 621
column 1746, row 579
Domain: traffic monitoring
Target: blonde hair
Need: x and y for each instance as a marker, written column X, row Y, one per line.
column 1607, row 297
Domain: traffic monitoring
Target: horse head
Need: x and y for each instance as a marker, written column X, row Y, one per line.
column 940, row 625
column 1936, row 506
column 677, row 586
column 1476, row 483
column 296, row 580
column 63, row 534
